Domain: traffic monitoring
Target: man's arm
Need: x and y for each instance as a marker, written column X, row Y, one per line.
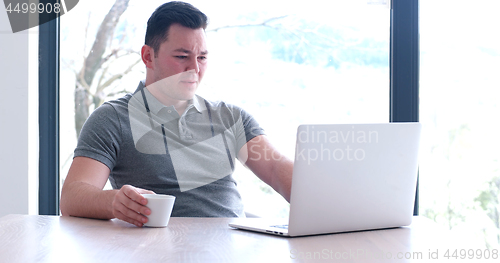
column 82, row 195
column 268, row 164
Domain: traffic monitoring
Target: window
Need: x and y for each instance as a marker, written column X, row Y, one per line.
column 324, row 62
column 334, row 65
column 459, row 166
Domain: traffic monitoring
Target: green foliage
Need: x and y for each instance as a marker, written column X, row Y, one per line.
column 489, row 200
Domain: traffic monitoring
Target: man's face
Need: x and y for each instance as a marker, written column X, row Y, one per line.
column 180, row 63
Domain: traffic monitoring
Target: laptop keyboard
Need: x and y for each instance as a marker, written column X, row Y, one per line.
column 281, row 226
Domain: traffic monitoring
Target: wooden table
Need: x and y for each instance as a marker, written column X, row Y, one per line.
column 26, row 238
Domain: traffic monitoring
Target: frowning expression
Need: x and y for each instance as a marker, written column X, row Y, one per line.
column 180, row 63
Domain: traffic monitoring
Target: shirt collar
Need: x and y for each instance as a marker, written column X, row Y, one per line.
column 199, row 103
column 155, row 106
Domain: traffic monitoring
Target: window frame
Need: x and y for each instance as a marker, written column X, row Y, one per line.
column 404, row 61
column 48, row 118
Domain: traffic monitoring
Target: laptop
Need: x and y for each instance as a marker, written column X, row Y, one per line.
column 349, row 177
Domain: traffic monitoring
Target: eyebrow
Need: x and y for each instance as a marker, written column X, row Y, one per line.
column 189, row 52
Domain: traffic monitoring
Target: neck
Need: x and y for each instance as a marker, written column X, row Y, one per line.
column 179, row 105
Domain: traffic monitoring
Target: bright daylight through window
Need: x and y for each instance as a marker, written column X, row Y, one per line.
column 324, row 62
column 459, row 111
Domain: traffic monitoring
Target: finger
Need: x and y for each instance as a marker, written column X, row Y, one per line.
column 131, row 213
column 133, row 194
column 125, row 218
column 144, row 191
column 133, row 206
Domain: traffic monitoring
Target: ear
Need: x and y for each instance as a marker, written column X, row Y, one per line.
column 147, row 54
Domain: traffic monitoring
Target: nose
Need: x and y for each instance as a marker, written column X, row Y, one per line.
column 194, row 65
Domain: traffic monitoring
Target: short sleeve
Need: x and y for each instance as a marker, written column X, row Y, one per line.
column 100, row 136
column 251, row 126
column 246, row 127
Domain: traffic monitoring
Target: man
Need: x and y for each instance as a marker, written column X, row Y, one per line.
column 165, row 139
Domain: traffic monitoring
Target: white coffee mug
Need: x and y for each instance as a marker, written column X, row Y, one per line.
column 161, row 208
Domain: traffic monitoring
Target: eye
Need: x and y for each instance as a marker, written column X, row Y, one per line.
column 202, row 58
column 181, row 57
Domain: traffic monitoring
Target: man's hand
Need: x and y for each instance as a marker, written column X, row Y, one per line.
column 83, row 195
column 130, row 206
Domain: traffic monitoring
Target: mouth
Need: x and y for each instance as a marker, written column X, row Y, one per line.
column 189, row 81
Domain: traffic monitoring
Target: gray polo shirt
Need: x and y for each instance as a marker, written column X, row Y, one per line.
column 148, row 145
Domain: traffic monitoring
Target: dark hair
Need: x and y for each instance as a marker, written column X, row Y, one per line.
column 174, row 12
